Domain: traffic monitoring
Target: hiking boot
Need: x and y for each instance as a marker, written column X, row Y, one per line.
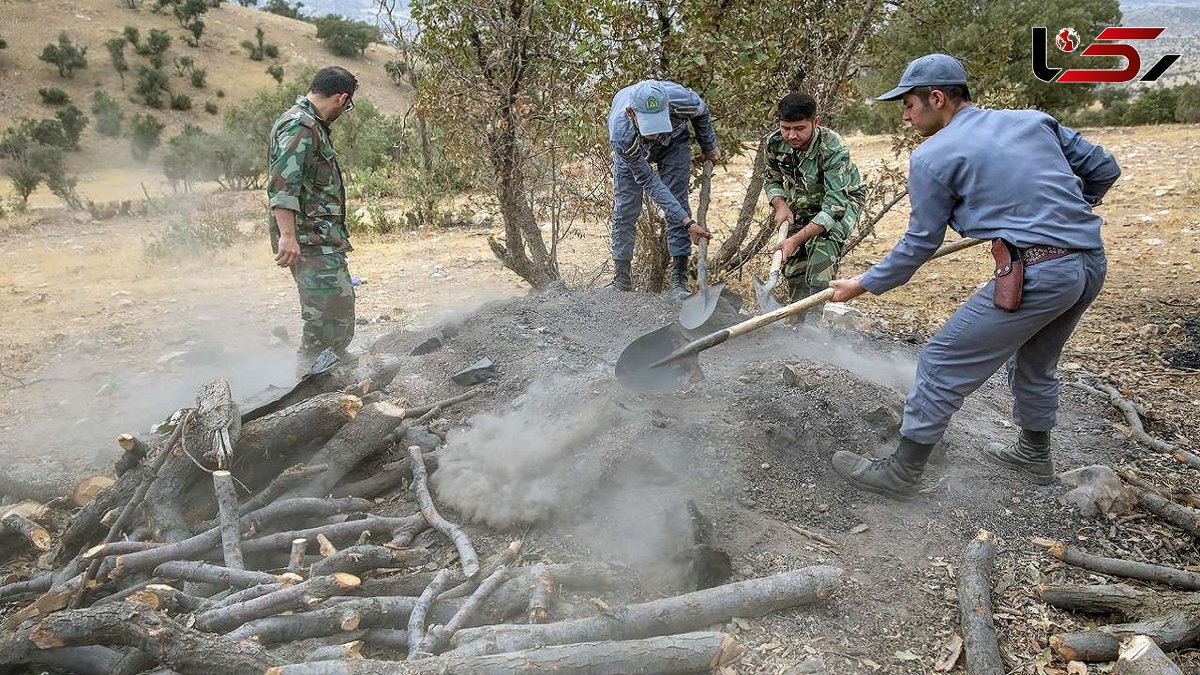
column 1030, row 455
column 679, row 277
column 897, row 476
column 622, row 277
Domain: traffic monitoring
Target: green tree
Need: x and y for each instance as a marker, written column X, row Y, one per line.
column 183, row 65
column 73, row 122
column 345, row 37
column 28, row 163
column 248, row 3
column 189, row 157
column 1187, row 110
column 116, row 54
column 151, row 82
column 132, row 36
column 187, row 11
column 108, row 114
column 1153, row 106
column 157, row 43
column 276, row 71
column 196, row 28
column 144, row 131
column 65, row 55
column 197, row 77
column 284, row 8
column 257, row 47
column 181, row 102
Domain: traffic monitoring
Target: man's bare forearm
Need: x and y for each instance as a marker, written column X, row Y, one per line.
column 286, row 220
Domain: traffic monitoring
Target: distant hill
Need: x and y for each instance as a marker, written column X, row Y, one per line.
column 1182, row 21
column 28, row 25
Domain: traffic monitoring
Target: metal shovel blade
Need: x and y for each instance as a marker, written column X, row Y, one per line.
column 700, row 305
column 764, row 292
column 633, row 366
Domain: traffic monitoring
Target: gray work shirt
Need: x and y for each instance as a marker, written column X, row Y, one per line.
column 1016, row 175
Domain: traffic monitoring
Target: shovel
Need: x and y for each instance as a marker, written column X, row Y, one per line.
column 662, row 360
column 764, row 291
column 700, row 305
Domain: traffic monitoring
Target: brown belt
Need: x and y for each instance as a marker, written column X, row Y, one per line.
column 1036, row 254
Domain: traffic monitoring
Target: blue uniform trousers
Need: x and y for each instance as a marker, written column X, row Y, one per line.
column 979, row 338
column 674, row 168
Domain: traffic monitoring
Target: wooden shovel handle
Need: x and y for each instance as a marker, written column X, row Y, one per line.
column 777, row 258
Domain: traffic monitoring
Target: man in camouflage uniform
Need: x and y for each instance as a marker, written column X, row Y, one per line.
column 814, row 187
column 307, row 203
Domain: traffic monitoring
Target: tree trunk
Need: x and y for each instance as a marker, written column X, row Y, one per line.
column 975, row 607
column 373, row 429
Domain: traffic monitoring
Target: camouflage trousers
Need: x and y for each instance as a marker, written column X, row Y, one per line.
column 810, row 269
column 326, row 305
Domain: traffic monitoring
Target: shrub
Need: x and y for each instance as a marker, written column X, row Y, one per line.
column 66, row 56
column 144, row 131
column 151, row 83
column 157, row 43
column 345, row 37
column 54, row 96
column 116, row 54
column 276, row 71
column 132, row 36
column 210, row 107
column 270, row 51
column 197, row 76
column 108, row 114
column 73, row 122
column 181, row 102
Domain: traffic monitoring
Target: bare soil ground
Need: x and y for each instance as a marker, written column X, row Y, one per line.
column 99, row 339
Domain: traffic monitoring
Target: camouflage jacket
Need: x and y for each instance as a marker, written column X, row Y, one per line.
column 820, row 184
column 304, row 176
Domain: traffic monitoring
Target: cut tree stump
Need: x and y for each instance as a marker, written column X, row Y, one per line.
column 32, row 532
column 1170, row 618
column 1140, row 656
column 466, row 552
column 371, row 431
column 1128, row 569
column 131, row 624
column 975, row 607
column 665, row 655
column 678, row 614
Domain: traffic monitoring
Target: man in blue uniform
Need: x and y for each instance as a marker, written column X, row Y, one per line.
column 1020, row 177
column 649, row 124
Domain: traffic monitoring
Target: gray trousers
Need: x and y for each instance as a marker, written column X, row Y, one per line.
column 674, row 168
column 979, row 338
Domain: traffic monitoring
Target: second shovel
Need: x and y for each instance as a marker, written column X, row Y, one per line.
column 764, row 291
column 700, row 305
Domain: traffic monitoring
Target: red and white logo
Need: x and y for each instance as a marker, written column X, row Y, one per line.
column 1067, row 40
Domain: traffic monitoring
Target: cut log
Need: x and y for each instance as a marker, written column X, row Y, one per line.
column 376, row 426
column 227, row 501
column 975, row 607
column 388, row 476
column 85, row 528
column 1125, row 568
column 200, row 544
column 1176, row 514
column 286, row 480
column 386, row 638
column 416, row 619
column 296, row 557
column 136, row 625
column 38, row 584
column 361, row 378
column 91, row 660
column 32, row 532
column 167, row 599
column 40, row 482
column 438, row 637
column 504, row 558
column 247, row 594
column 466, row 552
column 403, row 536
column 1101, row 599
column 299, row 596
column 119, row 548
column 134, row 450
column 347, row 531
column 130, row 590
column 359, row 559
column 1140, row 656
column 89, row 488
column 582, row 574
column 384, row 612
column 200, row 572
column 678, row 614
column 326, row 547
column 349, row 650
column 665, row 655
column 542, row 596
column 1171, row 619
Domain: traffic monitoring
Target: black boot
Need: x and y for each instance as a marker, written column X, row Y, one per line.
column 897, row 476
column 679, row 277
column 622, row 277
column 1030, row 455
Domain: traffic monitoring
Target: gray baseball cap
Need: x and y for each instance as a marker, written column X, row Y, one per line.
column 652, row 108
column 930, row 70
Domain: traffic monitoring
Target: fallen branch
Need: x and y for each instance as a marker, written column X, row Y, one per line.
column 32, row 532
column 231, row 539
column 119, row 548
column 359, row 559
column 38, row 584
column 681, row 613
column 416, row 619
column 332, row 618
column 349, row 650
column 665, row 655
column 1176, row 514
column 466, row 552
column 375, row 427
column 421, row 411
column 348, row 530
column 438, row 637
column 503, row 558
column 1171, row 619
column 1140, row 656
column 388, row 476
column 975, row 607
column 200, row 572
column 1125, row 568
column 300, row 596
column 136, row 625
column 1188, row 499
column 1136, row 431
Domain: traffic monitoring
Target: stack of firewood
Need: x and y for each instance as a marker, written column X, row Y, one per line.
column 237, row 543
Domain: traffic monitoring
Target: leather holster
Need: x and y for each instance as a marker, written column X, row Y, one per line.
column 1010, row 275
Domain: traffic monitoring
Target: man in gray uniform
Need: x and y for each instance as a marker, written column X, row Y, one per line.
column 1012, row 175
column 648, row 124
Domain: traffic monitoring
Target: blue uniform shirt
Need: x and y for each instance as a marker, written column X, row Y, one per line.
column 1016, row 175
column 631, row 152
